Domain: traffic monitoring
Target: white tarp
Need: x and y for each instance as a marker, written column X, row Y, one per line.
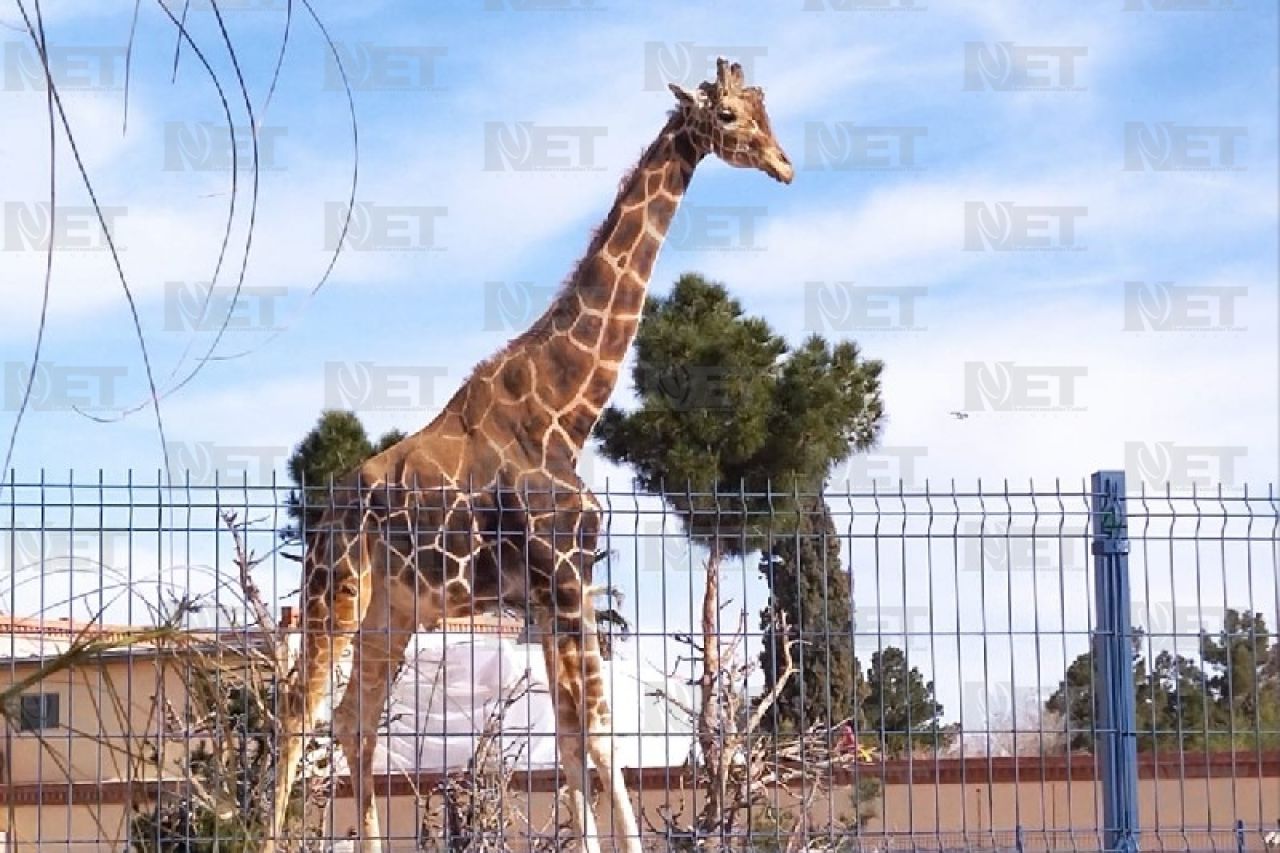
column 452, row 683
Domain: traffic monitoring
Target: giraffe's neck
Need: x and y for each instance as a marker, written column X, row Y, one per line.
column 572, row 354
column 599, row 310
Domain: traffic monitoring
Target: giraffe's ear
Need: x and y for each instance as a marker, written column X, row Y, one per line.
column 683, row 95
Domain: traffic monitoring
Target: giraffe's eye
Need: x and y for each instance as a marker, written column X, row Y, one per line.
column 726, row 116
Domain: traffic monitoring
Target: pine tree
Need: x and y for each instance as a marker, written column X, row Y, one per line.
column 731, row 425
column 1074, row 698
column 1243, row 713
column 806, row 583
column 1177, row 704
column 334, row 447
column 900, row 705
column 731, row 421
column 1227, row 699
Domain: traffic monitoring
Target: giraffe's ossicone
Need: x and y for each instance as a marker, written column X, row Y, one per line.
column 484, row 506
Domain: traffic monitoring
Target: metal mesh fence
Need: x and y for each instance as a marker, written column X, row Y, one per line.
column 909, row 670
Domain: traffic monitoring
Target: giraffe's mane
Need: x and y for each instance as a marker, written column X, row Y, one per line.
column 540, row 330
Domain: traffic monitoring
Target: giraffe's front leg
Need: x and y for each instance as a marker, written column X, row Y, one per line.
column 570, row 733
column 600, row 737
column 600, row 734
column 568, row 538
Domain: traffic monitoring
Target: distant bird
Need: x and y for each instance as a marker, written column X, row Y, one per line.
column 959, row 415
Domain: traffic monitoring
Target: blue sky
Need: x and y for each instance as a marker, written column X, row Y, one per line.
column 1139, row 376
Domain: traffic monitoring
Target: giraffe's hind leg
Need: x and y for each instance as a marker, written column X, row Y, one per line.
column 331, row 611
column 379, row 649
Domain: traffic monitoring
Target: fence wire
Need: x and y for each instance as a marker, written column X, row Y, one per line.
column 877, row 671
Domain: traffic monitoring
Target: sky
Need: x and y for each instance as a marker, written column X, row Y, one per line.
column 1058, row 220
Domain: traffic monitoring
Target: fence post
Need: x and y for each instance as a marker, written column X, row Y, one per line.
column 1117, row 724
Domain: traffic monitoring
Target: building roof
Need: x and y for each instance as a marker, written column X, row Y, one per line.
column 37, row 638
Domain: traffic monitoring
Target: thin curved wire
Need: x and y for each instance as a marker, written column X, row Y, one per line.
column 128, row 66
column 106, row 232
column 339, row 243
column 48, row 263
column 231, row 205
column 253, row 205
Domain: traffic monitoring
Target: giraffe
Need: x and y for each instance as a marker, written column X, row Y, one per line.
column 484, row 507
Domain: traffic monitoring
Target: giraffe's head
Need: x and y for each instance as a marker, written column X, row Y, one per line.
column 728, row 119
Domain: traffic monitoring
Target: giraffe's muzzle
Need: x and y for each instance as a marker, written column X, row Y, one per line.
column 777, row 166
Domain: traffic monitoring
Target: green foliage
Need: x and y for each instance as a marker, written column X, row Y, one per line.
column 806, row 582
column 1073, row 699
column 1228, row 699
column 333, row 448
column 1236, row 659
column 900, row 705
column 389, row 439
column 1172, row 703
column 223, row 806
column 771, row 829
column 728, row 412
